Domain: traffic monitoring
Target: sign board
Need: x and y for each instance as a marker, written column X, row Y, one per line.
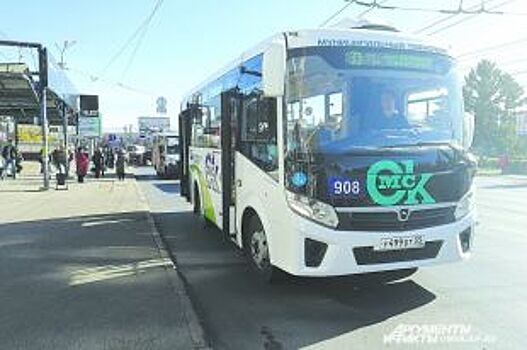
column 153, row 124
column 89, row 126
column 89, row 102
column 32, row 134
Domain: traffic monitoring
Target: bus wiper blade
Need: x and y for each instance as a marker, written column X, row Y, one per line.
column 423, row 144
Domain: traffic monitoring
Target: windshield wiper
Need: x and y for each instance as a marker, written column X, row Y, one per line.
column 423, row 144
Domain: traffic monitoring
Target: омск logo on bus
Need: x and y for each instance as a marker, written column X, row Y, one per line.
column 391, row 183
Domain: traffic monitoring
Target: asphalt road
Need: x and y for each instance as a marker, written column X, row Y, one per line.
column 479, row 303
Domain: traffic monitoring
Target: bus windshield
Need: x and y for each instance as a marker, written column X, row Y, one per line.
column 341, row 98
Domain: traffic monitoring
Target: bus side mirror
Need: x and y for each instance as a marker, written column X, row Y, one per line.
column 273, row 70
column 468, row 130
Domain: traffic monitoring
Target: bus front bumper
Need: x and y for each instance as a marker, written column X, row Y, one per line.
column 327, row 252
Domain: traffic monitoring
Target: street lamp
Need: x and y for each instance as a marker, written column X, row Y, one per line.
column 66, row 45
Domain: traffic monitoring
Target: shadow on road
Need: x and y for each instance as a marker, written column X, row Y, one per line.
column 242, row 312
column 168, row 187
column 88, row 282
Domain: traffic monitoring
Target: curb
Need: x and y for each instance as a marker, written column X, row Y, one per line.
column 177, row 284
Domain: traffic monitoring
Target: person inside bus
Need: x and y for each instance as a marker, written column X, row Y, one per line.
column 390, row 117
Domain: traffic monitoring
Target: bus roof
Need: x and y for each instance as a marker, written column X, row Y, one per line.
column 336, row 37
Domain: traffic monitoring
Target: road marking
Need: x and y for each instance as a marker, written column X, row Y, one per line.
column 107, row 272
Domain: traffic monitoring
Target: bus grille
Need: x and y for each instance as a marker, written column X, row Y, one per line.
column 389, row 221
column 367, row 256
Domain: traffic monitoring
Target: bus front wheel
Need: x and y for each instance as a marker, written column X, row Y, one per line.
column 257, row 250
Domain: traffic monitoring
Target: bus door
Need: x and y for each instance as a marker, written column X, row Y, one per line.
column 230, row 104
column 185, row 128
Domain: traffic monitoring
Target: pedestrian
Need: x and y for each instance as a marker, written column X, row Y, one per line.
column 98, row 163
column 59, row 159
column 2, row 168
column 41, row 156
column 10, row 155
column 120, row 165
column 82, row 162
column 110, row 158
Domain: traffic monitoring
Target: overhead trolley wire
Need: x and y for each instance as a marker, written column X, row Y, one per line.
column 338, row 12
column 348, row 4
column 492, row 48
column 465, row 19
column 372, row 6
column 445, row 19
column 140, row 40
column 129, row 41
column 474, row 10
column 109, row 82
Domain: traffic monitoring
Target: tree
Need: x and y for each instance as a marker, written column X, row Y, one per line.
column 493, row 96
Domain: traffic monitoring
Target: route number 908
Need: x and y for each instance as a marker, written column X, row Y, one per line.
column 344, row 187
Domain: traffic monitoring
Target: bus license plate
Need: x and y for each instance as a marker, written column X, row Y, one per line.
column 399, row 243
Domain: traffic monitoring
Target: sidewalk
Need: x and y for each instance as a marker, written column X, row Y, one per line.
column 82, row 269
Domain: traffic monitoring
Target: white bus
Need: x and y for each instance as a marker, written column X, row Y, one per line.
column 166, row 154
column 334, row 151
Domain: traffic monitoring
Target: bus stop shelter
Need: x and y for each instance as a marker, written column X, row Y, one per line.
column 44, row 96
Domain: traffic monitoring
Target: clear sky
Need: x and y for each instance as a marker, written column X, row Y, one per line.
column 187, row 40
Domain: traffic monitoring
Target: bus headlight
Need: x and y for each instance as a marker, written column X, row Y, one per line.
column 312, row 209
column 465, row 206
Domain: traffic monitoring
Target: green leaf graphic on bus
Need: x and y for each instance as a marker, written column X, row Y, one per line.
column 391, row 183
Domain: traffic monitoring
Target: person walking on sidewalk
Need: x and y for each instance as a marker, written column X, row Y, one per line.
column 2, row 168
column 10, row 155
column 82, row 161
column 41, row 158
column 110, row 157
column 120, row 165
column 98, row 163
column 59, row 160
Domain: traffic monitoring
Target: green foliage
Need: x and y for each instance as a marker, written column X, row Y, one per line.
column 493, row 96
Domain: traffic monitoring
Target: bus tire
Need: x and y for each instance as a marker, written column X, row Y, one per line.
column 257, row 251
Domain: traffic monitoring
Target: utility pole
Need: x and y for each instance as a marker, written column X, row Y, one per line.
column 65, row 115
column 43, row 87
